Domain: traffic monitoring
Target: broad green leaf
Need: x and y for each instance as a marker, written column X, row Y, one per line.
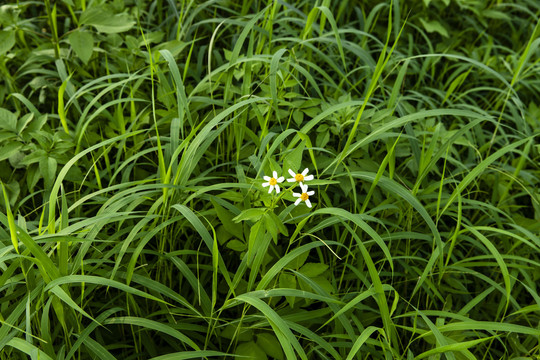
column 82, row 43
column 434, row 26
column 288, row 281
column 236, row 245
column 47, row 167
column 9, row 149
column 250, row 214
column 9, row 14
column 495, row 14
column 278, row 223
column 313, row 269
column 8, row 120
column 7, row 40
column 106, row 22
column 270, row 345
column 256, row 237
column 235, row 331
column 250, row 351
column 226, row 218
column 293, row 160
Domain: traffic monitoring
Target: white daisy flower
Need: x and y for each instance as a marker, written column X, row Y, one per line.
column 273, row 182
column 300, row 177
column 304, row 196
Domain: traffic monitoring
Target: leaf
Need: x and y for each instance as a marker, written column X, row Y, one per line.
column 277, row 221
column 434, row 26
column 154, row 325
column 293, row 160
column 11, row 220
column 13, row 189
column 298, row 260
column 97, row 280
column 7, row 40
column 8, row 120
column 457, row 347
column 9, row 149
column 9, row 14
column 324, row 284
column 271, row 227
column 47, row 167
column 313, row 269
column 226, row 218
column 361, row 340
column 106, row 22
column 288, row 281
column 270, row 345
column 82, row 43
column 236, row 245
column 250, row 214
column 251, row 351
column 62, row 295
column 23, row 122
column 495, row 14
column 28, row 348
column 256, row 237
column 280, row 327
column 234, row 331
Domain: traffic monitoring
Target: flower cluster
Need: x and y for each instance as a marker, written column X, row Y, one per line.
column 299, row 178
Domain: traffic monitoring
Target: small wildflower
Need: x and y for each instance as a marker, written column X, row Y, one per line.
column 300, row 177
column 304, row 196
column 273, row 182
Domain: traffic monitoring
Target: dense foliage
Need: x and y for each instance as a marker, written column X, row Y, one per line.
column 135, row 135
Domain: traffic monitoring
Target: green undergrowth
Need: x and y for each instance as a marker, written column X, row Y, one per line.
column 135, row 135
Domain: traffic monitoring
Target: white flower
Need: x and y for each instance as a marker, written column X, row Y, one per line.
column 273, row 182
column 304, row 196
column 300, row 177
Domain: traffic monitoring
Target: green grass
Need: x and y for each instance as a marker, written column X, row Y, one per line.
column 135, row 135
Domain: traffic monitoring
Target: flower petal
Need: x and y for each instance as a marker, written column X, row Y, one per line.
column 267, row 178
column 275, row 174
column 271, row 188
column 303, row 187
column 309, row 177
column 306, row 170
column 280, row 179
column 296, row 194
column 291, row 180
column 310, row 193
column 293, row 174
column 265, row 184
column 277, row 189
column 308, row 203
column 297, row 201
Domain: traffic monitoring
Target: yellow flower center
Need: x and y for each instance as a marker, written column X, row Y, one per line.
column 273, row 181
column 304, row 196
column 299, row 177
